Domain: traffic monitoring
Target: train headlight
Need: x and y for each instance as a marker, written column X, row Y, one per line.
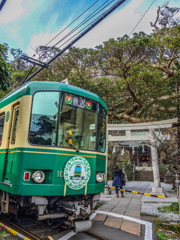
column 38, row 176
column 99, row 177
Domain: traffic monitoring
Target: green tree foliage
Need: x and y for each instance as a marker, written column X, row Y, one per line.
column 5, row 71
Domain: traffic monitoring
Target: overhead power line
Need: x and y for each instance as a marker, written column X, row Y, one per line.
column 72, row 22
column 80, row 31
column 87, row 19
column 73, row 30
column 142, row 17
column 86, row 30
column 30, row 70
column 91, row 16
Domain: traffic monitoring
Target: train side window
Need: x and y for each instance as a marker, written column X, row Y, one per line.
column 16, row 115
column 1, row 127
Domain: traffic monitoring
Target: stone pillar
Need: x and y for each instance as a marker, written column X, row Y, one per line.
column 157, row 189
column 106, row 190
column 125, row 174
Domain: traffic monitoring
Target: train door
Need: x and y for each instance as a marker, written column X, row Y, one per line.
column 8, row 162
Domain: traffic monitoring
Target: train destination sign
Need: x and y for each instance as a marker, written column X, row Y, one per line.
column 79, row 102
column 77, row 173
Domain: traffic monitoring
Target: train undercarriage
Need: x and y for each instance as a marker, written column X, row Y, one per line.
column 72, row 211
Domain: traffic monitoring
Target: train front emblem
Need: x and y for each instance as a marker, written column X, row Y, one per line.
column 77, row 173
column 77, row 170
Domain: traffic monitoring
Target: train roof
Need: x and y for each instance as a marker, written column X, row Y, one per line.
column 31, row 87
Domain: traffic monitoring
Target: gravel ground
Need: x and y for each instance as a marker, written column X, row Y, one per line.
column 4, row 235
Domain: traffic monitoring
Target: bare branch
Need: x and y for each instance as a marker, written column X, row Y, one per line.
column 155, row 23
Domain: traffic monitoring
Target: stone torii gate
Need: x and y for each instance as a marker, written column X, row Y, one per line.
column 148, row 135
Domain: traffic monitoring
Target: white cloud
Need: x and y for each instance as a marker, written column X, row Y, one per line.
column 12, row 10
column 42, row 39
column 15, row 9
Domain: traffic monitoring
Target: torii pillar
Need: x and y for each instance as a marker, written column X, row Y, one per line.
column 157, row 189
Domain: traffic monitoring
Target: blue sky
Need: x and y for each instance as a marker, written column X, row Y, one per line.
column 26, row 24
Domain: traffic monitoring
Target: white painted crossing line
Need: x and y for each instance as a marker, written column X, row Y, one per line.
column 67, row 236
column 148, row 225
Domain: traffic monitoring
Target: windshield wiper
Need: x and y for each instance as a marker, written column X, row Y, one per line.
column 69, row 140
column 77, row 150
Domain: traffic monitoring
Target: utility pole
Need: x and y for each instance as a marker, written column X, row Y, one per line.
column 2, row 4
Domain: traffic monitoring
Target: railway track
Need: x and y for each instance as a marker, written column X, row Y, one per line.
column 19, row 230
column 31, row 231
column 42, row 232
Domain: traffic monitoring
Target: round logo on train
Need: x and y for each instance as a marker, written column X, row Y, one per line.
column 77, row 173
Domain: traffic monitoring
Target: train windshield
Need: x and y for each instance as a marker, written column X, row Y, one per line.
column 67, row 120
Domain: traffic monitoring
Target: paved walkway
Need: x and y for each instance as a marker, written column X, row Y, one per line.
column 127, row 211
column 129, row 206
column 121, row 218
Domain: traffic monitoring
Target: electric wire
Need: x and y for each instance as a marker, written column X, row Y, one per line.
column 92, row 15
column 80, row 25
column 142, row 17
column 85, row 21
column 82, row 30
column 76, row 28
column 31, row 68
column 94, row 23
column 72, row 22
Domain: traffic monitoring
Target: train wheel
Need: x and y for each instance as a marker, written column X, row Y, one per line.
column 54, row 223
column 9, row 216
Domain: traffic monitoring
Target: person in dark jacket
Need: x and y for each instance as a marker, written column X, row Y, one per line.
column 118, row 180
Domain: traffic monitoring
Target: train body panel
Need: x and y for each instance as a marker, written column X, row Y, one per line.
column 53, row 163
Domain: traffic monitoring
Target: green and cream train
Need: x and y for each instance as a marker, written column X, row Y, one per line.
column 52, row 151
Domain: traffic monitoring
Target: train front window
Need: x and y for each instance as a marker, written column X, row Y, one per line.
column 77, row 127
column 67, row 120
column 44, row 118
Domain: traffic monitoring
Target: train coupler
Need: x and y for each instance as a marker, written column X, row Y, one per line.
column 81, row 226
